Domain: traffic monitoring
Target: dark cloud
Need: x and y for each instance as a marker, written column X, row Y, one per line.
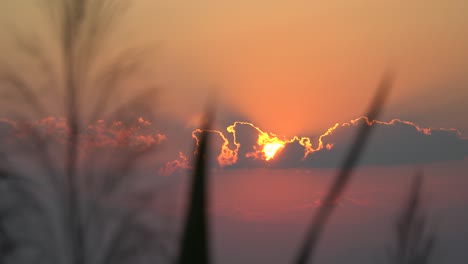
column 392, row 143
column 291, row 156
column 243, row 145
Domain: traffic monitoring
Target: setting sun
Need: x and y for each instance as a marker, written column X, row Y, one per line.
column 270, row 149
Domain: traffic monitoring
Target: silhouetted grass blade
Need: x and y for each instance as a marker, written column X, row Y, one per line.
column 6, row 245
column 318, row 223
column 414, row 245
column 194, row 246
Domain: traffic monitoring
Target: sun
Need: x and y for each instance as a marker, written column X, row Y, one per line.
column 270, row 149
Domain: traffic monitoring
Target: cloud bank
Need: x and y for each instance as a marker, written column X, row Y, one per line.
column 244, row 145
column 395, row 142
column 101, row 144
column 138, row 133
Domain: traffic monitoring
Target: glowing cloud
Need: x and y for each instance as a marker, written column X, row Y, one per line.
column 227, row 155
column 100, row 134
column 393, row 143
column 268, row 145
column 175, row 165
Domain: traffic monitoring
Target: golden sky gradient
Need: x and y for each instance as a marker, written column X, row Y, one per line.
column 294, row 67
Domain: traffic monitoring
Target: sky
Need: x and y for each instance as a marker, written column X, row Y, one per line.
column 291, row 82
column 295, row 67
column 306, row 65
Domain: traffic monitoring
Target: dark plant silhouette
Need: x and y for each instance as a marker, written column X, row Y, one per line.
column 70, row 209
column 5, row 241
column 414, row 242
column 342, row 179
column 194, row 247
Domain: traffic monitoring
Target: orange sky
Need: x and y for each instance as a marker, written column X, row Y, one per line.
column 297, row 66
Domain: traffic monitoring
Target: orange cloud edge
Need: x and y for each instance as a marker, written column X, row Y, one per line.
column 269, row 145
column 141, row 133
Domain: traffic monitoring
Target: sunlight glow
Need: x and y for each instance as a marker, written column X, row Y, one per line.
column 270, row 149
column 269, row 145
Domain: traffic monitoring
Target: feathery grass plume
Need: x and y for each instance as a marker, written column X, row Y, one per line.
column 337, row 188
column 194, row 246
column 68, row 209
column 415, row 244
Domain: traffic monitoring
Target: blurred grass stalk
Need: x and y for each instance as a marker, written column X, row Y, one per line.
column 414, row 242
column 308, row 248
column 194, row 246
column 59, row 197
